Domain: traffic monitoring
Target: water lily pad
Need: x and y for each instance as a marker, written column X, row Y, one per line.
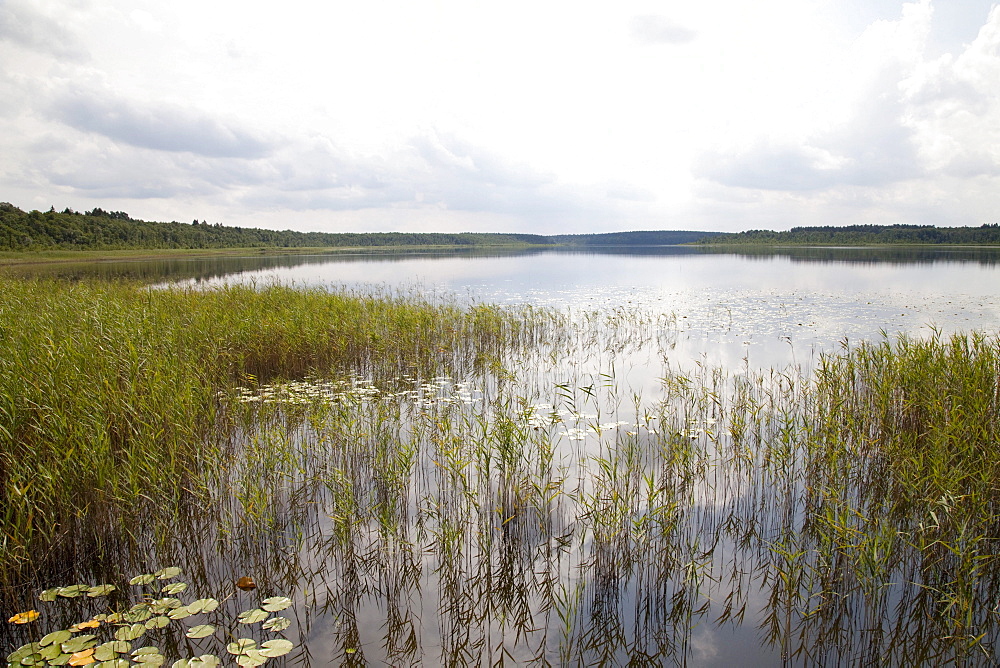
column 113, row 663
column 140, row 612
column 60, row 660
column 179, row 613
column 252, row 616
column 203, row 605
column 276, row 647
column 277, row 624
column 102, row 653
column 73, row 591
column 23, row 651
column 167, row 573
column 276, row 603
column 108, row 650
column 148, row 649
column 24, row 617
column 89, row 624
column 49, row 595
column 50, row 652
column 82, row 658
column 130, row 632
column 241, row 646
column 200, row 631
column 56, row 637
column 101, row 590
column 144, row 579
column 163, row 605
column 79, row 644
column 117, row 646
column 251, row 659
column 174, row 588
column 203, row 661
column 158, row 622
column 150, row 660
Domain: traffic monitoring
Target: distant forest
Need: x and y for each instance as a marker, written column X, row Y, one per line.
column 864, row 235
column 115, row 230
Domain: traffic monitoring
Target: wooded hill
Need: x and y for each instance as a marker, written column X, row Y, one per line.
column 864, row 235
column 114, row 230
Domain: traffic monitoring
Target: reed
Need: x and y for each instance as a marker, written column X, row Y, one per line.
column 109, row 390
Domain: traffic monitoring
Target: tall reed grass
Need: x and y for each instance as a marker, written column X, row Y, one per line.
column 109, row 390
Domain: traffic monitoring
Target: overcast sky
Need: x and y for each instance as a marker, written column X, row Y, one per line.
column 514, row 116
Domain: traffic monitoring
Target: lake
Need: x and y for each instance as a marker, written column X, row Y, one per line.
column 769, row 306
column 647, row 485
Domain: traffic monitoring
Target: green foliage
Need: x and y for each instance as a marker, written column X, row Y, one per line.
column 864, row 235
column 115, row 230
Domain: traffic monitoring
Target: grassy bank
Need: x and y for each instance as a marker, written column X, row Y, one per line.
column 15, row 258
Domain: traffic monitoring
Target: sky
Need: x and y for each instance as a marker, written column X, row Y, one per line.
column 546, row 117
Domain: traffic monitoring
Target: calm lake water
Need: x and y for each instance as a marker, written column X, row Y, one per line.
column 592, row 542
column 768, row 307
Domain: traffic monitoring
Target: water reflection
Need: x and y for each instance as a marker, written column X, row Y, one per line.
column 212, row 267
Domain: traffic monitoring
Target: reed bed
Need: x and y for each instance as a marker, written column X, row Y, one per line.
column 472, row 485
column 109, row 391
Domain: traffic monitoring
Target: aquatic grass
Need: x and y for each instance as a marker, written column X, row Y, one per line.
column 109, row 390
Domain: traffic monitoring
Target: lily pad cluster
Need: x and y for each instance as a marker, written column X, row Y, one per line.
column 118, row 639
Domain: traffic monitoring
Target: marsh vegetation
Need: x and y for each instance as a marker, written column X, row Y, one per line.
column 432, row 482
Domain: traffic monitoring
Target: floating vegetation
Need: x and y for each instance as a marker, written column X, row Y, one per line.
column 117, row 631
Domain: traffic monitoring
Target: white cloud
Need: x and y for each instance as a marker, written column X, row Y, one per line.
column 912, row 120
column 553, row 117
column 23, row 24
column 656, row 29
column 156, row 125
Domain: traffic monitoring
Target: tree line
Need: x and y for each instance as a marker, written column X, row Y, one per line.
column 116, row 230
column 865, row 235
